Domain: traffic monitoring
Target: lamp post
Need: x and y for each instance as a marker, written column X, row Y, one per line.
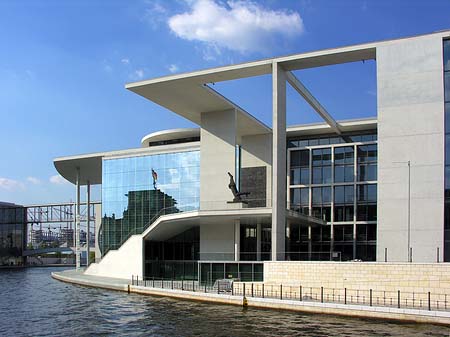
column 409, row 207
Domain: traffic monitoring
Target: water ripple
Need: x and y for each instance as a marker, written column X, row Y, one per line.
column 34, row 304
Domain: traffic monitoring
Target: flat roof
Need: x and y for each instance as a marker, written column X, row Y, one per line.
column 172, row 134
column 189, row 94
column 90, row 165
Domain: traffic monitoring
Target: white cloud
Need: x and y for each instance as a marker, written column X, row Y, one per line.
column 58, row 180
column 33, row 180
column 11, row 184
column 173, row 68
column 138, row 74
column 243, row 26
column 155, row 14
column 125, row 61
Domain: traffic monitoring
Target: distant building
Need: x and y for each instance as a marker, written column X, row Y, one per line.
column 12, row 233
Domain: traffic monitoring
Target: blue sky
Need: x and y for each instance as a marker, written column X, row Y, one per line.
column 64, row 64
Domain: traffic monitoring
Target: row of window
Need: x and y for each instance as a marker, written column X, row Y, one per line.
column 344, row 170
column 343, row 194
column 364, row 232
column 327, row 140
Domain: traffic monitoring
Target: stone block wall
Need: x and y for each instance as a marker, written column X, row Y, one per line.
column 362, row 276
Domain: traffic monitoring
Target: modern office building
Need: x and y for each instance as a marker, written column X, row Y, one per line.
column 12, row 233
column 373, row 189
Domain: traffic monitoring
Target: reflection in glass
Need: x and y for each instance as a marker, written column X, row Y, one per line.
column 133, row 196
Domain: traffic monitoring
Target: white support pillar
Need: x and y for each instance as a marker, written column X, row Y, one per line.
column 278, row 162
column 237, row 239
column 258, row 241
column 77, row 223
column 88, row 221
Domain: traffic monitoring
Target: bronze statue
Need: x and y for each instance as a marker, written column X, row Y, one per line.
column 232, row 186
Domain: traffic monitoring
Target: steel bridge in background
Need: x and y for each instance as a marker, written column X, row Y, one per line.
column 50, row 228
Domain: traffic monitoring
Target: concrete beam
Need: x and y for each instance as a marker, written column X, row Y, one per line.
column 315, row 104
column 278, row 162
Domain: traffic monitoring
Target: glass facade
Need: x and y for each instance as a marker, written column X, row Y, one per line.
column 137, row 190
column 12, row 227
column 447, row 150
column 335, row 179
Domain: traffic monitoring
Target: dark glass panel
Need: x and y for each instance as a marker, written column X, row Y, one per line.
column 447, row 149
column 446, row 54
column 447, row 117
column 317, row 157
column 304, row 176
column 326, row 195
column 317, row 175
column 326, row 156
column 339, row 194
column 349, row 173
column 339, row 155
column 447, row 86
column 317, row 195
column 326, row 175
column 339, row 174
column 295, row 176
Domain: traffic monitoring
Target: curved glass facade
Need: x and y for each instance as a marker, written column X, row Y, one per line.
column 137, row 190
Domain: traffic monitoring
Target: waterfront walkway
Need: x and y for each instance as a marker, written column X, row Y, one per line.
column 205, row 294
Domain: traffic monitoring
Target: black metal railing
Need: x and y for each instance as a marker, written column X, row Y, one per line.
column 362, row 297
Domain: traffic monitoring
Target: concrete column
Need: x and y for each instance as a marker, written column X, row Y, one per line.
column 77, row 223
column 258, row 241
column 278, row 162
column 237, row 239
column 88, row 221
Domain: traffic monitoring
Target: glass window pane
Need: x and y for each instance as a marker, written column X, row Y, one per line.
column 339, row 194
column 295, row 158
column 446, row 54
column 317, row 195
column 326, row 195
column 349, row 194
column 349, row 174
column 326, row 175
column 317, row 157
column 317, row 175
column 304, row 196
column 295, row 176
column 339, row 174
column 447, row 86
column 339, row 155
column 326, row 156
column 304, row 176
column 447, row 117
column 447, row 149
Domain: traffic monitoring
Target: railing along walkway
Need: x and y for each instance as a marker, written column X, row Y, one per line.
column 394, row 299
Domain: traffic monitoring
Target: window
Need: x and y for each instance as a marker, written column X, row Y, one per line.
column 321, row 162
column 367, row 203
column 343, row 164
column 343, row 203
column 300, row 167
column 300, row 200
column 321, row 203
column 367, row 162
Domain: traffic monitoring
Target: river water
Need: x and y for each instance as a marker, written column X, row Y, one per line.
column 34, row 304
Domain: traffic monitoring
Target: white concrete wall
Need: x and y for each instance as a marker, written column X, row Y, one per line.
column 257, row 151
column 121, row 263
column 217, row 157
column 217, row 241
column 410, row 127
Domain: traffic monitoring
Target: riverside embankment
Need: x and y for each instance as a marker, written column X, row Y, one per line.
column 251, row 296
